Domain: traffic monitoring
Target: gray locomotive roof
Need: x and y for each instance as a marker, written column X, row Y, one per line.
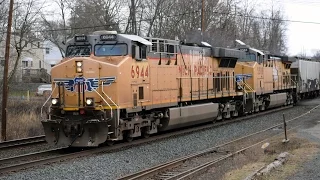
column 136, row 38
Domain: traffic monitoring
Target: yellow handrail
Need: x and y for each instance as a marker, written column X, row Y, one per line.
column 118, row 108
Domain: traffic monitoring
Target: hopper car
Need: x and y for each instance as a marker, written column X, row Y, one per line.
column 112, row 87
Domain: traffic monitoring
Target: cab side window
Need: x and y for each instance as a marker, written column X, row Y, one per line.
column 139, row 51
column 133, row 51
column 143, row 51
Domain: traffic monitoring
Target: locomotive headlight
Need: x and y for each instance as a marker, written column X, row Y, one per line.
column 54, row 101
column 79, row 69
column 89, row 101
column 79, row 66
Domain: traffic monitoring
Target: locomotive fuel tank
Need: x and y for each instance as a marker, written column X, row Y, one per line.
column 190, row 115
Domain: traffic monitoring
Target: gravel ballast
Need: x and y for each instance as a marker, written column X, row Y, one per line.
column 6, row 153
column 117, row 164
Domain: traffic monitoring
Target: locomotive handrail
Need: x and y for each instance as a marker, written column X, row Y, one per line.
column 154, row 52
column 118, row 109
column 246, row 86
column 105, row 102
column 294, row 82
column 41, row 111
column 205, row 77
column 249, row 87
column 242, row 87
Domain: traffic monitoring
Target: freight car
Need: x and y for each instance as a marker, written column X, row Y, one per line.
column 113, row 87
column 308, row 74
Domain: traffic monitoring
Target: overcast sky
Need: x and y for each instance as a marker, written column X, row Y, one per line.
column 302, row 36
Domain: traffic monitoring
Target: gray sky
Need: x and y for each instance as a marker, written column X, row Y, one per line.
column 302, row 36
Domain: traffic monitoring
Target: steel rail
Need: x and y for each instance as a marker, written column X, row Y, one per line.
column 205, row 166
column 171, row 164
column 18, row 162
column 29, row 155
column 22, row 142
column 63, row 157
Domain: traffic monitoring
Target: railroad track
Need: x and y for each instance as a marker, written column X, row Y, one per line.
column 22, row 142
column 192, row 165
column 63, row 154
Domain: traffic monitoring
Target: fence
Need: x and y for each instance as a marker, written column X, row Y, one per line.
column 25, row 95
column 35, row 75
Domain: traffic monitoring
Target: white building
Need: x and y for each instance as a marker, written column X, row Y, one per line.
column 52, row 55
column 35, row 62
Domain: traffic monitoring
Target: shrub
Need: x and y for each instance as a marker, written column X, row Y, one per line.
column 23, row 118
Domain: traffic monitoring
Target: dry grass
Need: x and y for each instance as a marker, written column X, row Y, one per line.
column 24, row 119
column 301, row 150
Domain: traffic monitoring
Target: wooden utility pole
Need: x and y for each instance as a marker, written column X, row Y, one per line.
column 134, row 18
column 5, row 77
column 235, row 23
column 202, row 19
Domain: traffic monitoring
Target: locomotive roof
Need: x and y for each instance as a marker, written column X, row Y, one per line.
column 105, row 37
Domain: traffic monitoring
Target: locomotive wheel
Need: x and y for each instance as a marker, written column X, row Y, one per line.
column 127, row 136
column 145, row 134
column 214, row 120
column 110, row 143
column 129, row 139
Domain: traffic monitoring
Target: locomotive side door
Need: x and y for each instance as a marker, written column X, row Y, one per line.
column 140, row 78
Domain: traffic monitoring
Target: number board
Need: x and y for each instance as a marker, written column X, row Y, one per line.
column 244, row 49
column 108, row 37
column 140, row 71
column 80, row 38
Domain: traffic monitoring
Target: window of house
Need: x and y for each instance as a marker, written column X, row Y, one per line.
column 24, row 64
column 47, row 50
column 39, row 64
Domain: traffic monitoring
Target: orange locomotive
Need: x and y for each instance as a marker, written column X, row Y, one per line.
column 268, row 81
column 114, row 87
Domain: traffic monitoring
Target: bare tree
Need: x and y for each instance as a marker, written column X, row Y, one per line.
column 26, row 17
column 3, row 18
column 92, row 16
column 134, row 7
column 225, row 21
column 316, row 55
column 56, row 31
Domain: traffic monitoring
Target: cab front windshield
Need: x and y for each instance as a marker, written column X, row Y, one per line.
column 78, row 50
column 111, row 49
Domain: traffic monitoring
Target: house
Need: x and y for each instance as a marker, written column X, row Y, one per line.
column 34, row 65
column 52, row 55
